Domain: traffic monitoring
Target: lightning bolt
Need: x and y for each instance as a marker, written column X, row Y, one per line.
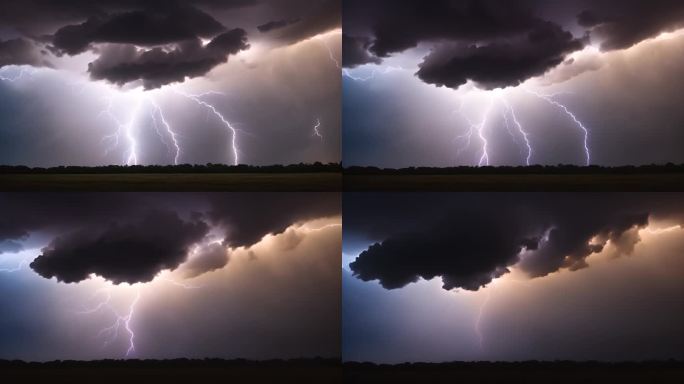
column 21, row 74
column 181, row 284
column 233, row 131
column 330, row 52
column 127, row 322
column 522, row 131
column 111, row 333
column 123, row 129
column 316, row 130
column 478, row 319
column 374, row 73
column 18, row 268
column 549, row 99
column 174, row 137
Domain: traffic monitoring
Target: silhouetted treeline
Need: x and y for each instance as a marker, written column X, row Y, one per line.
column 530, row 372
column 182, row 168
column 171, row 363
column 520, row 170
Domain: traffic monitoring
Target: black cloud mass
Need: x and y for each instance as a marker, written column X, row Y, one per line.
column 152, row 41
column 130, row 238
column 122, row 253
column 468, row 240
column 498, row 43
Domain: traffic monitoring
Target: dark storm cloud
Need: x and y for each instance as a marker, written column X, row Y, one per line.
column 132, row 237
column 499, row 65
column 21, row 52
column 273, row 25
column 207, row 258
column 313, row 18
column 122, row 253
column 498, row 43
column 468, row 240
column 160, row 39
column 122, row 64
column 622, row 24
column 143, row 28
column 10, row 246
column 355, row 52
column 249, row 217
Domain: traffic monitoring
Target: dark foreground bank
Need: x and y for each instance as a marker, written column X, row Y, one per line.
column 173, row 371
column 525, row 372
column 661, row 178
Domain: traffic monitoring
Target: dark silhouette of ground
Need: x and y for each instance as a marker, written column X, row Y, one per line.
column 175, row 178
column 173, row 371
column 524, row 372
column 567, row 178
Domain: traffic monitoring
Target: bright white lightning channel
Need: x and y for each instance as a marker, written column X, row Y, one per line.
column 18, row 268
column 316, row 129
column 580, row 125
column 111, row 332
column 478, row 320
column 22, row 73
column 233, row 131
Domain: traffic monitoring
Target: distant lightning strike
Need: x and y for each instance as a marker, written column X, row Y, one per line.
column 478, row 319
column 316, row 129
column 174, row 137
column 123, row 322
column 21, row 74
column 522, row 131
column 233, row 131
column 111, row 332
column 552, row 101
column 18, row 268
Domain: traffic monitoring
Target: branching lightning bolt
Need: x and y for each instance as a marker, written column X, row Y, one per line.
column 125, row 129
column 478, row 319
column 23, row 73
column 198, row 99
column 574, row 118
column 330, row 52
column 389, row 69
column 111, row 332
column 174, row 137
column 18, row 268
column 523, row 133
column 316, row 130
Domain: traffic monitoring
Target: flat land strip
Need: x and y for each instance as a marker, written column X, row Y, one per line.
column 175, row 182
column 666, row 182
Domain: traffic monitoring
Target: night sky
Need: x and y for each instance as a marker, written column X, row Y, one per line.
column 136, row 275
column 447, row 277
column 164, row 82
column 494, row 82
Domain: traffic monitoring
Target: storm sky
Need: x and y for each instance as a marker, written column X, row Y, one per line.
column 453, row 277
column 116, row 275
column 494, row 82
column 164, row 82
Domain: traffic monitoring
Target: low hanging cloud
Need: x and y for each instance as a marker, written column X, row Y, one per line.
column 122, row 64
column 206, row 258
column 622, row 24
column 355, row 52
column 274, row 25
column 155, row 42
column 150, row 27
column 110, row 236
column 122, row 253
column 498, row 43
column 21, row 52
column 468, row 248
column 247, row 217
column 499, row 65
